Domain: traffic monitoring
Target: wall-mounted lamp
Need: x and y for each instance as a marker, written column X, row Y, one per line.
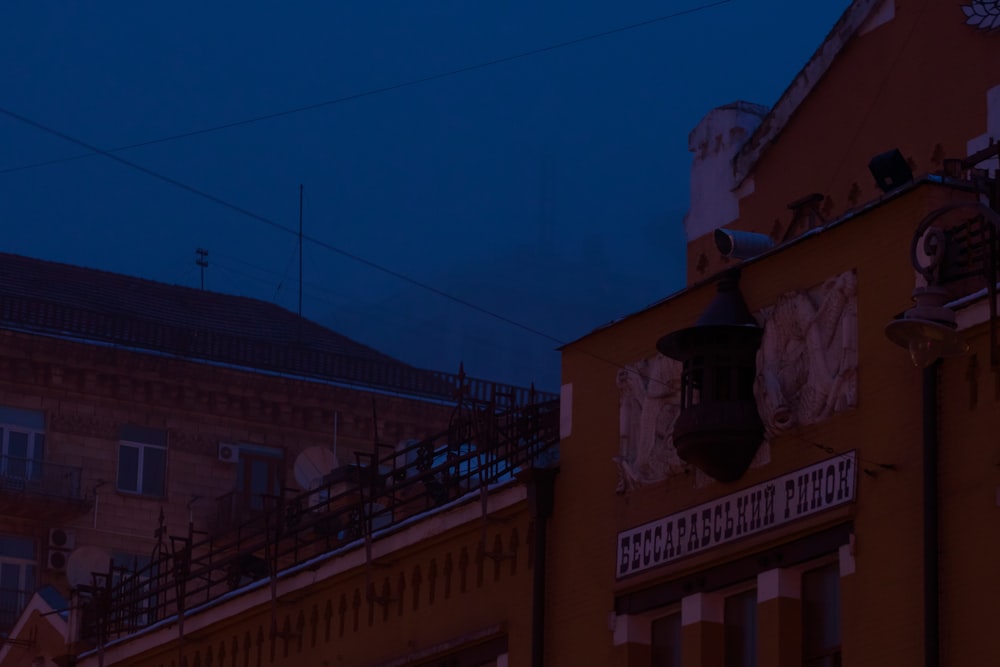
column 718, row 429
column 928, row 329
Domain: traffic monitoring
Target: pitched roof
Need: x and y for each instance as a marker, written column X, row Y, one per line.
column 61, row 299
column 851, row 21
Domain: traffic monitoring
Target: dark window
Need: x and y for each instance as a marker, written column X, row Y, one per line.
column 142, row 461
column 821, row 617
column 741, row 629
column 259, row 476
column 22, row 446
column 665, row 641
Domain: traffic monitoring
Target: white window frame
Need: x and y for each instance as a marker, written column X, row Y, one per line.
column 33, row 457
column 140, row 466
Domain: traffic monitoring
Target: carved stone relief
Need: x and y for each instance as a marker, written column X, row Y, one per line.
column 808, row 359
column 806, row 371
column 649, row 401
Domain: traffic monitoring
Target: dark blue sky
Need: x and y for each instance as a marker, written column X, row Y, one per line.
column 548, row 189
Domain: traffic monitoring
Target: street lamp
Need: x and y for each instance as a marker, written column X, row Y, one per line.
column 928, row 329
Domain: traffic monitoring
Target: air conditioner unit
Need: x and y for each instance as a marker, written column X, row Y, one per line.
column 61, row 539
column 56, row 560
column 61, row 542
column 228, row 453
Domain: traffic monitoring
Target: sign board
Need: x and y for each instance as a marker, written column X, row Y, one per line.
column 753, row 510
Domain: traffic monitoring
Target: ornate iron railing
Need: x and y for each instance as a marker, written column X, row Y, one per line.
column 485, row 444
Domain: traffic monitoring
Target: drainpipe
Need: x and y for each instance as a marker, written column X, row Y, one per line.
column 932, row 648
column 541, row 487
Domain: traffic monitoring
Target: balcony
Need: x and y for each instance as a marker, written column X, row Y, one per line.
column 29, row 487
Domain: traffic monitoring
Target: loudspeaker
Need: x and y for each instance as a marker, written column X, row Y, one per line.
column 890, row 170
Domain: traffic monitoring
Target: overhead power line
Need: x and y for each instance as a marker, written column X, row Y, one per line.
column 276, row 225
column 378, row 91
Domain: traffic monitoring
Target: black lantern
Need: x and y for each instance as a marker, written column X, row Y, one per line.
column 718, row 428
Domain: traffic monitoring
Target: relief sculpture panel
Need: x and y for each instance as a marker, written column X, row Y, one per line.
column 649, row 401
column 806, row 372
column 808, row 359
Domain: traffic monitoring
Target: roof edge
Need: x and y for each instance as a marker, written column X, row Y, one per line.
column 926, row 179
column 801, row 86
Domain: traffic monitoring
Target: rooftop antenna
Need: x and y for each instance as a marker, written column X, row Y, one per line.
column 301, row 188
column 202, row 261
column 546, row 206
column 300, row 249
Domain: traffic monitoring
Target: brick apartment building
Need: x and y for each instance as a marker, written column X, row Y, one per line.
column 132, row 412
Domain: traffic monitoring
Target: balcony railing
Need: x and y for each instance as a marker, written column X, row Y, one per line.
column 484, row 446
column 40, row 478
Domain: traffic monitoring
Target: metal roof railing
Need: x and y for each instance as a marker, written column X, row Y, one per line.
column 485, row 444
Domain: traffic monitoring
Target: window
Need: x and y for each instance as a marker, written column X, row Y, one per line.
column 665, row 641
column 131, row 579
column 740, row 621
column 22, row 446
column 17, row 578
column 259, row 476
column 821, row 617
column 142, row 461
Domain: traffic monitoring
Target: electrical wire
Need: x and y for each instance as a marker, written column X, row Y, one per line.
column 109, row 153
column 277, row 225
column 382, row 89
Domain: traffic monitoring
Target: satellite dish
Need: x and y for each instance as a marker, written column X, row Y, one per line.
column 83, row 562
column 312, row 465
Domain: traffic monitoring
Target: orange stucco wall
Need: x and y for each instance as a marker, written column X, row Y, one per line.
column 882, row 598
column 917, row 83
column 437, row 597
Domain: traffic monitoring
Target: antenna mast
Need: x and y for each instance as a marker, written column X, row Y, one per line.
column 202, row 261
column 300, row 251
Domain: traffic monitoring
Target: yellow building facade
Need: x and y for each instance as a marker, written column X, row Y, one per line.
column 758, row 472
column 814, row 554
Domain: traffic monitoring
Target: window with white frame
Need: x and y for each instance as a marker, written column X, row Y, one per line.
column 132, row 577
column 142, row 461
column 17, row 578
column 22, row 445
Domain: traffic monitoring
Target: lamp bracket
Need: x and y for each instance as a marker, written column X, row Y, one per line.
column 929, row 247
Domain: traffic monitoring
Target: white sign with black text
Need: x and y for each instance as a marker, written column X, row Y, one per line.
column 752, row 510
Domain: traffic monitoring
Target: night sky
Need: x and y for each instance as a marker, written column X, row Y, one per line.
column 548, row 189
